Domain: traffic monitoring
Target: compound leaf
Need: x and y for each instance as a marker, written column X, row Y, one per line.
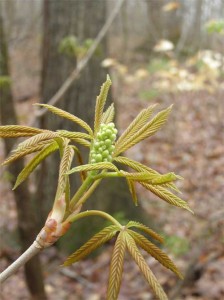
column 166, row 195
column 137, row 256
column 135, row 125
column 146, row 229
column 154, row 251
column 147, row 130
column 96, row 241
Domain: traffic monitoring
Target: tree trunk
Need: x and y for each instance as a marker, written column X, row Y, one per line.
column 84, row 19
column 26, row 220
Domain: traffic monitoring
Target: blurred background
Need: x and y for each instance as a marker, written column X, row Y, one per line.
column 156, row 51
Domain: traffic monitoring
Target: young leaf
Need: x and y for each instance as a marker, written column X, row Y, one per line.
column 146, row 229
column 154, row 251
column 34, row 140
column 66, row 115
column 116, row 267
column 136, row 124
column 100, row 102
column 147, row 130
column 166, row 195
column 34, row 163
column 73, row 135
column 65, row 165
column 108, row 115
column 141, row 168
column 80, row 161
column 95, row 166
column 96, row 241
column 150, row 178
column 13, row 134
column 137, row 256
column 18, row 130
column 24, row 151
column 132, row 190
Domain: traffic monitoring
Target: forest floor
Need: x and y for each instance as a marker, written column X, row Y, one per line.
column 191, row 144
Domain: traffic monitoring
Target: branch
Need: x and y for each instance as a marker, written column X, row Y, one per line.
column 83, row 62
column 27, row 255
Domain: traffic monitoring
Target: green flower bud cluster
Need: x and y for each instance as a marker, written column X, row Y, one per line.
column 103, row 145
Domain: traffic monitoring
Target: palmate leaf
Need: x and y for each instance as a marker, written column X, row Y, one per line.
column 166, row 195
column 146, row 229
column 116, row 267
column 141, row 168
column 95, row 166
column 136, row 124
column 34, row 140
column 108, row 115
column 147, row 130
column 65, row 165
column 154, row 251
column 34, row 163
column 100, row 102
column 96, row 241
column 18, row 131
column 132, row 190
column 18, row 153
column 137, row 256
column 66, row 115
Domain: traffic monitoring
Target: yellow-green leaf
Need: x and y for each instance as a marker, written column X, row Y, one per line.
column 100, row 102
column 34, row 140
column 146, row 229
column 96, row 241
column 108, row 115
column 154, row 251
column 95, row 166
column 147, row 130
column 34, row 163
column 80, row 161
column 116, row 267
column 166, row 195
column 18, row 130
column 149, row 276
column 18, row 153
column 141, row 168
column 132, row 190
column 66, row 115
column 65, row 165
column 135, row 125
column 73, row 135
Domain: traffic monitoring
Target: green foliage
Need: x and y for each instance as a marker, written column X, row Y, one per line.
column 68, row 45
column 104, row 155
column 71, row 47
column 215, row 26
